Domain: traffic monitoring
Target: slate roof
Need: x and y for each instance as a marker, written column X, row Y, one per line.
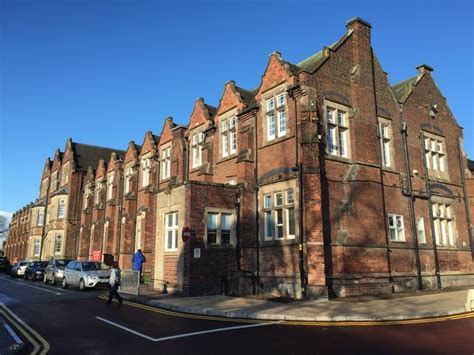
column 470, row 165
column 403, row 89
column 312, row 63
column 211, row 109
column 89, row 155
column 248, row 96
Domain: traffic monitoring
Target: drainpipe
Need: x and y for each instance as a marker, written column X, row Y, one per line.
column 256, row 189
column 428, row 190
column 411, row 198
column 299, row 169
column 237, row 236
column 466, row 203
column 186, row 160
column 45, row 218
column 79, row 203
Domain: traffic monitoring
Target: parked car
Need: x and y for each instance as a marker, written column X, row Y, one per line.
column 35, row 270
column 18, row 269
column 55, row 270
column 4, row 264
column 86, row 274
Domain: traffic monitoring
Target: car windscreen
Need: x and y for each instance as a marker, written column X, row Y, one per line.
column 23, row 263
column 43, row 263
column 94, row 266
column 61, row 264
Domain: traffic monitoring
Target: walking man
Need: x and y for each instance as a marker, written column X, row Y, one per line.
column 138, row 259
column 114, row 283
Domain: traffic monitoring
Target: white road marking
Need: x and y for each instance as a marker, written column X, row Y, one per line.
column 19, row 283
column 187, row 334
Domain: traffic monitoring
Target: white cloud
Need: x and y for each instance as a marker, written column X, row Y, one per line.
column 6, row 214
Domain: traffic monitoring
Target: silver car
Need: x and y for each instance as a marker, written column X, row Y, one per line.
column 86, row 274
column 55, row 270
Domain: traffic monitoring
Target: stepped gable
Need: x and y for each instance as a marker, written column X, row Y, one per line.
column 89, row 155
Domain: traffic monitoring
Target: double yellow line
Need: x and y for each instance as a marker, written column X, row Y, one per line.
column 306, row 323
column 40, row 345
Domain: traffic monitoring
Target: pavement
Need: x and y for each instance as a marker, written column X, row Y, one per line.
column 403, row 307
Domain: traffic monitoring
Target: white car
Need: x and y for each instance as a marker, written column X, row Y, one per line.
column 86, row 274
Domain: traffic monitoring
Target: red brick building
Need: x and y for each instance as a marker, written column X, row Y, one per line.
column 323, row 180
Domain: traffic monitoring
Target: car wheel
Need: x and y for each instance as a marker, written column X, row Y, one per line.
column 65, row 285
column 45, row 279
column 25, row 277
column 53, row 280
column 82, row 285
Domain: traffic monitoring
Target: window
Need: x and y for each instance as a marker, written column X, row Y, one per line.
column 61, row 208
column 197, row 143
column 44, row 187
column 171, row 231
column 229, row 136
column 145, row 165
column 420, row 230
column 65, row 174
column 435, row 154
column 385, row 134
column 105, row 236
column 98, row 192
column 40, row 220
column 139, row 232
column 128, row 180
column 337, row 132
column 37, row 247
column 279, row 215
column 219, row 228
column 54, row 181
column 57, row 244
column 110, row 186
column 276, row 116
column 443, row 224
column 87, row 194
column 166, row 163
column 396, row 229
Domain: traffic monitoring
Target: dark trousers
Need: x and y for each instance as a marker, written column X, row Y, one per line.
column 114, row 292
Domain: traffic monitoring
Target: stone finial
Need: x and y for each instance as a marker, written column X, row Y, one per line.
column 357, row 20
column 424, row 69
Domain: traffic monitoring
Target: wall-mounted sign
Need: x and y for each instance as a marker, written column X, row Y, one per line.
column 197, row 253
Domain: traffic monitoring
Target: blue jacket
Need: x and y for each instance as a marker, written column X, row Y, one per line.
column 138, row 259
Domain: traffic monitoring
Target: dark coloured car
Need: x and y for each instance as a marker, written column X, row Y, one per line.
column 35, row 270
column 18, row 269
column 55, row 270
column 4, row 264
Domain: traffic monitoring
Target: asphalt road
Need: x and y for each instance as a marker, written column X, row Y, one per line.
column 73, row 322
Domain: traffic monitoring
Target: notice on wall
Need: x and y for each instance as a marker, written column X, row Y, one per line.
column 96, row 255
column 197, row 253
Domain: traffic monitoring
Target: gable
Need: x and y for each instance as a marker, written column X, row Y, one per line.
column 132, row 152
column 167, row 132
column 275, row 74
column 149, row 144
column 57, row 160
column 200, row 115
column 229, row 99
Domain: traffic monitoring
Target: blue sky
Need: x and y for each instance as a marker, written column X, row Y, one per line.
column 105, row 72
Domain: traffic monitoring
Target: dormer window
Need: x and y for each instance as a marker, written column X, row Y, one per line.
column 337, row 130
column 54, row 181
column 166, row 163
column 110, row 185
column 276, row 116
column 229, row 136
column 98, row 191
column 145, row 165
column 65, row 174
column 128, row 179
column 197, row 143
